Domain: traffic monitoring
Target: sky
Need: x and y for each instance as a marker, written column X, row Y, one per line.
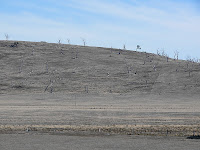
column 168, row 25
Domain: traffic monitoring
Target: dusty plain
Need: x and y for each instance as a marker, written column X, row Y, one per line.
column 34, row 141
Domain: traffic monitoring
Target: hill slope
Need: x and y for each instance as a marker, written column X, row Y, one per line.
column 47, row 67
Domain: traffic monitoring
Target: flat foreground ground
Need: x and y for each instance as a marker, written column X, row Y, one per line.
column 63, row 142
column 99, row 110
column 60, row 109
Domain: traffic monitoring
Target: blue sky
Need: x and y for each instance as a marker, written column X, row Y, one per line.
column 167, row 25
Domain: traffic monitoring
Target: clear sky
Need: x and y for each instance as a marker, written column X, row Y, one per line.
column 167, row 25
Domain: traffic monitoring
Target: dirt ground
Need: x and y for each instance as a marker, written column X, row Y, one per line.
column 59, row 84
column 33, row 141
column 49, row 88
column 101, row 110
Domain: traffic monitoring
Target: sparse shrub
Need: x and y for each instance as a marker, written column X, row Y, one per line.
column 162, row 53
column 14, row 45
column 138, row 47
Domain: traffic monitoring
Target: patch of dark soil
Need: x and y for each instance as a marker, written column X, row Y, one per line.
column 194, row 137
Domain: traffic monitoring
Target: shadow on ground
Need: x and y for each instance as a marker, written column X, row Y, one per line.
column 194, row 137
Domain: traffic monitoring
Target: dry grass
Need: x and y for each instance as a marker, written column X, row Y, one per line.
column 124, row 77
column 24, row 70
column 169, row 130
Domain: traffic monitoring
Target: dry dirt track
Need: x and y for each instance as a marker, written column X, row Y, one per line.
column 63, row 142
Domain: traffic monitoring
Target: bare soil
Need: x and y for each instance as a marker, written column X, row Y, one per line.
column 118, row 114
column 62, row 142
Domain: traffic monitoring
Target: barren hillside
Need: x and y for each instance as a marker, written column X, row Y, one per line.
column 46, row 86
column 47, row 67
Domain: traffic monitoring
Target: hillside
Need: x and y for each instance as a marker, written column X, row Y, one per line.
column 48, row 67
column 48, row 87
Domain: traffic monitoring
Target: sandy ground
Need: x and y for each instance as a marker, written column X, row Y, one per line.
column 33, row 141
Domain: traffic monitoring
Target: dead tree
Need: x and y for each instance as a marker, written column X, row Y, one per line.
column 68, row 40
column 158, row 52
column 6, row 36
column 176, row 54
column 124, row 47
column 188, row 58
column 84, row 42
column 59, row 41
column 163, row 53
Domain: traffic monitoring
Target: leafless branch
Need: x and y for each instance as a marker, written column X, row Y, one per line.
column 84, row 42
column 7, row 36
column 68, row 40
column 124, row 47
column 176, row 54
